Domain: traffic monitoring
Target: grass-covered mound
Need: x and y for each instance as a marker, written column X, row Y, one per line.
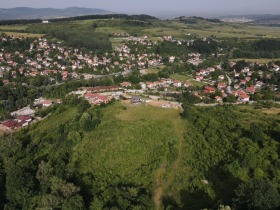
column 125, row 156
column 113, row 163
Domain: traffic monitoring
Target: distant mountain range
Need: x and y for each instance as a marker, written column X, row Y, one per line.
column 47, row 13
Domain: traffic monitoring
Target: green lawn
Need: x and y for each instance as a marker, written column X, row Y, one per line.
column 197, row 83
column 154, row 70
column 179, row 77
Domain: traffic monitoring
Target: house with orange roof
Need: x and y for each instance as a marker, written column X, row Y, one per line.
column 209, row 89
column 177, row 83
column 95, row 98
column 125, row 84
column 199, row 78
column 218, row 98
column 47, row 103
column 250, row 90
column 221, row 85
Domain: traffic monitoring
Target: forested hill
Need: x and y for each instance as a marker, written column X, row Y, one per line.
column 141, row 17
column 123, row 156
column 47, row 13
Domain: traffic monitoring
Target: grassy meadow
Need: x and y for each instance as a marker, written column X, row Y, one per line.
column 272, row 111
column 18, row 31
column 13, row 27
column 130, row 142
column 158, row 28
column 26, row 35
column 173, row 159
column 138, row 144
column 180, row 77
column 257, row 60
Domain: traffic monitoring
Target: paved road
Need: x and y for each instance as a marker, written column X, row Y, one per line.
column 229, row 79
column 229, row 84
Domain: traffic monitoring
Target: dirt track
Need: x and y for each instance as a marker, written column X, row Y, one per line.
column 5, row 129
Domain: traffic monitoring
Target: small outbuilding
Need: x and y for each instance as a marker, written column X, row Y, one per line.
column 136, row 99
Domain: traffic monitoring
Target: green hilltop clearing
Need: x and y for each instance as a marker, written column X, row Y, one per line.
column 147, row 157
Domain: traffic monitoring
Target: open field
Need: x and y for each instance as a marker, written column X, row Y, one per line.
column 125, row 138
column 175, row 28
column 164, row 104
column 137, row 144
column 272, row 111
column 18, row 31
column 180, row 77
column 226, row 30
column 259, row 60
column 161, row 31
column 196, row 83
column 152, row 71
column 109, row 30
column 131, row 142
column 219, row 30
column 18, row 34
column 116, row 42
column 13, row 27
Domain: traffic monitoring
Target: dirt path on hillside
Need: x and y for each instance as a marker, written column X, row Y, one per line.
column 158, row 186
column 179, row 129
column 162, row 184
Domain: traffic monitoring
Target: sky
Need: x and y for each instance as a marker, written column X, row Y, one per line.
column 191, row 7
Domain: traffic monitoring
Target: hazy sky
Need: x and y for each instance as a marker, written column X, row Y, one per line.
column 210, row 7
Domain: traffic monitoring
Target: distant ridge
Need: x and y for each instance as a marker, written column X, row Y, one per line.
column 48, row 13
column 259, row 17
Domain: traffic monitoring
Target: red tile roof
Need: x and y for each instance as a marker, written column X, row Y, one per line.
column 9, row 123
column 209, row 88
column 47, row 102
column 102, row 88
column 222, row 85
column 24, row 118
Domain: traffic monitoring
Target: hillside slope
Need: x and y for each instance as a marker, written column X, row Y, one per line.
column 144, row 157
